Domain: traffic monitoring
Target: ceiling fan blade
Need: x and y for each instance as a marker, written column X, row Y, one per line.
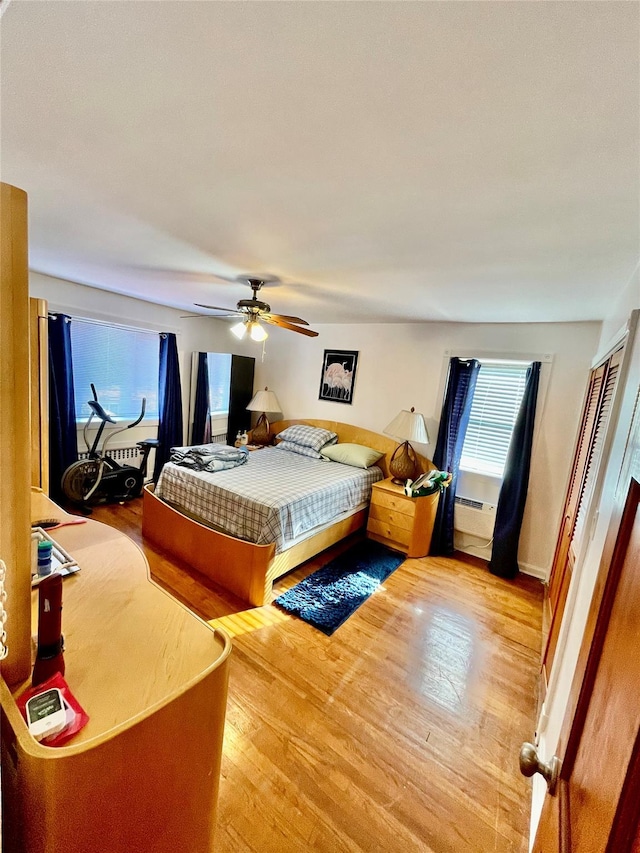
column 230, row 311
column 287, row 319
column 269, row 318
column 209, row 316
column 195, row 317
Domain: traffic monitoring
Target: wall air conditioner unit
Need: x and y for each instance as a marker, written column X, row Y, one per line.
column 474, row 517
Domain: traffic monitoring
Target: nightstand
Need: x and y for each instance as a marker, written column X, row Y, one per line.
column 400, row 522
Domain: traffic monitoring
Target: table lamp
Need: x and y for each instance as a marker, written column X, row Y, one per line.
column 408, row 426
column 263, row 401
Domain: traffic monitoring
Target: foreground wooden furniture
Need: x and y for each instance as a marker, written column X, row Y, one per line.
column 15, row 427
column 143, row 774
column 401, row 522
column 245, row 569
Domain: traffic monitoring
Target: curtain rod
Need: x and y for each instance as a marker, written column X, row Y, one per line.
column 91, row 320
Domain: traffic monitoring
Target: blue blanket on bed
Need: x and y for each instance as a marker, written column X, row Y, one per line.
column 209, row 457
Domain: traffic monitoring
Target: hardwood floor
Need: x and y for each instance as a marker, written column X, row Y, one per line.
column 400, row 732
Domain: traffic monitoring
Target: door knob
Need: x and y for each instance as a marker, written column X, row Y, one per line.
column 531, row 764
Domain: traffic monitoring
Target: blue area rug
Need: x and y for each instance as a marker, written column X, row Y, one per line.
column 331, row 594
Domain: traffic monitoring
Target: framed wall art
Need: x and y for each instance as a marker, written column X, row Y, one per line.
column 338, row 375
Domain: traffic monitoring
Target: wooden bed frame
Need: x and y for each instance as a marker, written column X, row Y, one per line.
column 245, row 569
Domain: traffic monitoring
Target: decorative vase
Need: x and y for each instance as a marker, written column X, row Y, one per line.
column 402, row 465
column 260, row 433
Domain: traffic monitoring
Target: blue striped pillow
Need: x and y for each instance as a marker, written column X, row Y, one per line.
column 299, row 448
column 308, row 436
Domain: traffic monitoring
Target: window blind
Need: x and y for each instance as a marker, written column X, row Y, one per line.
column 495, row 406
column 123, row 365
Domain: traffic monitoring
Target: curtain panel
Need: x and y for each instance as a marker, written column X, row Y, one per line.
column 170, row 431
column 461, row 384
column 201, row 426
column 63, row 436
column 513, row 492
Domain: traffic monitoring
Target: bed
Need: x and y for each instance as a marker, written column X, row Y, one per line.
column 210, row 520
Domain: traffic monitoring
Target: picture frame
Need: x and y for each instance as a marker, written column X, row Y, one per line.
column 338, row 376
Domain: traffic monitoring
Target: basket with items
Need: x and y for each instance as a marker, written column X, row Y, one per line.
column 427, row 484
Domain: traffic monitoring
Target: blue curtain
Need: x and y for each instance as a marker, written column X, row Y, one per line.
column 513, row 492
column 169, row 402
column 201, row 426
column 461, row 384
column 63, row 437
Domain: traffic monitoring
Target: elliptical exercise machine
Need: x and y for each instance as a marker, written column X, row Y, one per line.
column 100, row 478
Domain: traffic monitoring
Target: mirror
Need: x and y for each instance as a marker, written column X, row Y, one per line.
column 221, row 387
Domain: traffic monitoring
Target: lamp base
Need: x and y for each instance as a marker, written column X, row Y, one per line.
column 402, row 465
column 260, row 433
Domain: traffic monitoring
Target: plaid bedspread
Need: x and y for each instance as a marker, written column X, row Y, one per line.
column 275, row 497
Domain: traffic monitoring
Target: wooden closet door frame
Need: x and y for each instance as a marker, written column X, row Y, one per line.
column 625, row 341
column 578, row 503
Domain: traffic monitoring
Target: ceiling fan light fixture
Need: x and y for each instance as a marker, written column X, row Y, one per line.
column 257, row 332
column 239, row 330
column 254, row 313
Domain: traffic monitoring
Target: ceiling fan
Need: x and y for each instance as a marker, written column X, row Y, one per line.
column 253, row 312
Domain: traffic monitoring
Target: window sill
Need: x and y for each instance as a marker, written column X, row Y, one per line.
column 476, row 472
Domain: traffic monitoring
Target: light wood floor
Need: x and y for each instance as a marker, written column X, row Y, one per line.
column 399, row 733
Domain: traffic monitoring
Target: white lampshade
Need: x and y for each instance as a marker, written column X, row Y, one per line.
column 408, row 426
column 264, row 401
column 257, row 332
column 239, row 330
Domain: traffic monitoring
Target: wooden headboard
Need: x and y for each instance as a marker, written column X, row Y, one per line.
column 357, row 435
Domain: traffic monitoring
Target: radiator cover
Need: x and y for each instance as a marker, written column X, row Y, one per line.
column 120, row 454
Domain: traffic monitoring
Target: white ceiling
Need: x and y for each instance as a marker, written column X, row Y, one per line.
column 390, row 162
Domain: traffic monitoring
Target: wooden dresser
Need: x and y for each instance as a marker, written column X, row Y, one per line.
column 142, row 776
column 400, row 522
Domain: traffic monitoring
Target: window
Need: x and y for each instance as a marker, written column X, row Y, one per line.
column 219, row 366
column 122, row 363
column 495, row 406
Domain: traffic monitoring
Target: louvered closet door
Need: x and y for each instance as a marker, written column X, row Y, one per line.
column 593, row 462
column 588, row 455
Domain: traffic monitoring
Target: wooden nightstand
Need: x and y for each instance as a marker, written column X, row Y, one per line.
column 400, row 522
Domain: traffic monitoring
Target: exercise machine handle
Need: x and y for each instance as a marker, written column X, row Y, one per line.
column 144, row 406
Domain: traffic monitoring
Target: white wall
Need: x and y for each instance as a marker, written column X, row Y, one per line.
column 193, row 334
column 621, row 309
column 400, row 366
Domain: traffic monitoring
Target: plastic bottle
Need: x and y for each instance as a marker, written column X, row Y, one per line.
column 44, row 557
column 244, row 438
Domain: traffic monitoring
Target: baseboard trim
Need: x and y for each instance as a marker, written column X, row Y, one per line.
column 533, row 571
column 526, row 568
